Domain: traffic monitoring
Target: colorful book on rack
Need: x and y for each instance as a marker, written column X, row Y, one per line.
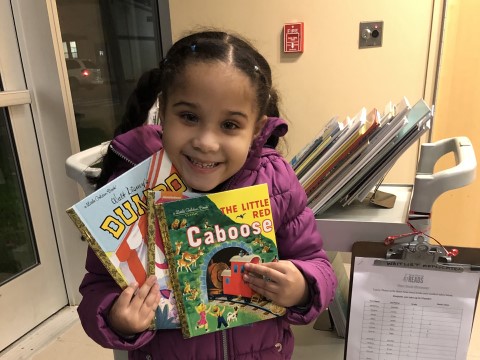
column 350, row 127
column 327, row 131
column 329, row 141
column 207, row 242
column 114, row 222
column 348, row 149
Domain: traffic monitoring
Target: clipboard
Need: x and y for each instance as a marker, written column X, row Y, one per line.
column 408, row 260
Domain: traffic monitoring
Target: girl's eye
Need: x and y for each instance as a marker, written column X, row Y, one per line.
column 229, row 125
column 189, row 117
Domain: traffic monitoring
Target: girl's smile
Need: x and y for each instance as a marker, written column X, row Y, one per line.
column 202, row 165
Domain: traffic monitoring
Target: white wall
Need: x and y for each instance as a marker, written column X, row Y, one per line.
column 332, row 76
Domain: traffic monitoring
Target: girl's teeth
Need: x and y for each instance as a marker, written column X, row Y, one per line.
column 203, row 165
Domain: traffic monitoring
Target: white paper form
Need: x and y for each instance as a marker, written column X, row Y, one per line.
column 409, row 313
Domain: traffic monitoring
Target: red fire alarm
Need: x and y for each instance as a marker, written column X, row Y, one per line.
column 293, row 37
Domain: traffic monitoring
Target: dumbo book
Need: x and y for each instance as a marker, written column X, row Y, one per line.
column 207, row 242
column 114, row 222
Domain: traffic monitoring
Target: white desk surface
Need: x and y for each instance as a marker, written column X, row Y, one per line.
column 341, row 226
column 358, row 211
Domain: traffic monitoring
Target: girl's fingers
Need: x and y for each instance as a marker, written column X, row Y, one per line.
column 143, row 292
column 263, row 272
column 126, row 296
column 153, row 297
column 269, row 291
column 147, row 311
column 281, row 266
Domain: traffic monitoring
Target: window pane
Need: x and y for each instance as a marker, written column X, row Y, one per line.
column 113, row 43
column 17, row 245
column 65, row 50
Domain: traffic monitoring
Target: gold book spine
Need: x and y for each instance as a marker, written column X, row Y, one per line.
column 97, row 249
column 151, row 232
column 169, row 253
column 151, row 240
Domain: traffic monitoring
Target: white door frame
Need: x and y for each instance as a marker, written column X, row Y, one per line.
column 32, row 297
column 45, row 75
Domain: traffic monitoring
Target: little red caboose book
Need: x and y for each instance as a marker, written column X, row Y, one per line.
column 207, row 242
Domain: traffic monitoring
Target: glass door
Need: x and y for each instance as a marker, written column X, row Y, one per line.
column 31, row 281
column 107, row 46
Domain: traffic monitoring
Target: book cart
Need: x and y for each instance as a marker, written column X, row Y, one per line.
column 402, row 231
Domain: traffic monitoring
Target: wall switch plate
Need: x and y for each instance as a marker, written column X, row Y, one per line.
column 370, row 34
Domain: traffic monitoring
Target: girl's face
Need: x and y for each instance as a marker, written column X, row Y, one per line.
column 209, row 123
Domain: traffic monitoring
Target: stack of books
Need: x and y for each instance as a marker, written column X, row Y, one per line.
column 348, row 158
column 147, row 222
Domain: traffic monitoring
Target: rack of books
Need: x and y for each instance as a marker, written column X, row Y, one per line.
column 349, row 157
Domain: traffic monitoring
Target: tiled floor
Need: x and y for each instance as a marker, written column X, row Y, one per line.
column 62, row 337
column 73, row 344
column 59, row 337
column 49, row 343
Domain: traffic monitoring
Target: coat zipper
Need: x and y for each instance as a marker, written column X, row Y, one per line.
column 225, row 345
column 121, row 156
column 224, row 332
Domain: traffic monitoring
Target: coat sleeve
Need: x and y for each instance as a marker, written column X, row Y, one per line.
column 99, row 292
column 298, row 240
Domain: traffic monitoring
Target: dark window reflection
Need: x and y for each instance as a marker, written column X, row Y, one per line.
column 18, row 251
column 107, row 44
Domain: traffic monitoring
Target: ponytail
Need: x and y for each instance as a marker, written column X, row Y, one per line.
column 136, row 112
column 140, row 101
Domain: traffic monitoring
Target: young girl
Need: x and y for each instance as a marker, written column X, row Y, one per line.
column 215, row 92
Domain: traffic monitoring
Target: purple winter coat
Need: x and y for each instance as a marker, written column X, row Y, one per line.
column 297, row 240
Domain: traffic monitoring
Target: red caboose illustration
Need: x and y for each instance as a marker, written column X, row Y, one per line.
column 233, row 283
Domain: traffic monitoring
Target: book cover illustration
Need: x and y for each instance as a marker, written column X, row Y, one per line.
column 166, row 315
column 207, row 241
column 113, row 220
column 346, row 154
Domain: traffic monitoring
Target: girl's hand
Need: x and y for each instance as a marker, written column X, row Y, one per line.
column 134, row 309
column 279, row 281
